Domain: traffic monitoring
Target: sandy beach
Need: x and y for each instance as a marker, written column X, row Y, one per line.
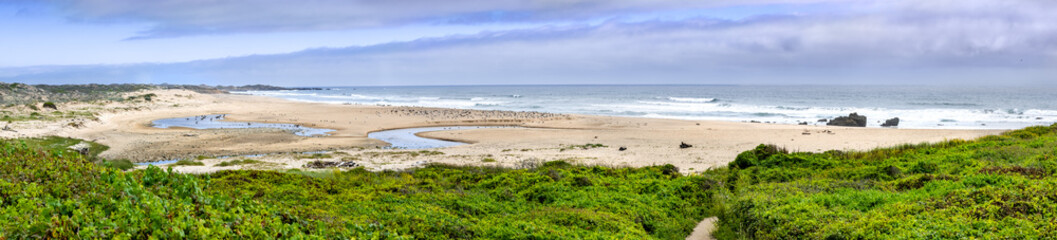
column 126, row 128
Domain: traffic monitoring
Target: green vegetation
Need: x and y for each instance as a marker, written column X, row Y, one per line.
column 237, row 162
column 62, row 145
column 581, row 147
column 146, row 97
column 50, row 105
column 52, row 194
column 56, row 115
column 408, row 153
column 488, row 160
column 31, row 94
column 314, row 156
column 120, row 164
column 996, row 187
column 186, row 162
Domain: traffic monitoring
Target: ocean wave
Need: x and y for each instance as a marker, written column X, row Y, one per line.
column 276, row 93
column 692, row 100
column 349, row 97
column 944, row 104
column 909, row 118
column 953, row 115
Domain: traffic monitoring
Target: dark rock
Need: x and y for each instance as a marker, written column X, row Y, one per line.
column 81, row 147
column 622, row 148
column 852, row 120
column 894, row 171
column 894, row 122
column 684, row 145
column 801, row 123
column 823, row 120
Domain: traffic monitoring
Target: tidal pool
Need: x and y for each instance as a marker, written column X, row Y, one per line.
column 405, row 138
column 214, row 122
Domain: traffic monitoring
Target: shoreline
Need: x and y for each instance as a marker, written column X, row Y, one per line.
column 922, row 108
column 540, row 136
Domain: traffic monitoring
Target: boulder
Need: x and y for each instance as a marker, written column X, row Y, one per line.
column 894, row 122
column 852, row 120
column 81, row 147
column 622, row 148
column 684, row 145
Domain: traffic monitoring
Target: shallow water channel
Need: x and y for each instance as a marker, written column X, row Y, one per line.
column 403, row 138
column 406, row 138
column 214, row 122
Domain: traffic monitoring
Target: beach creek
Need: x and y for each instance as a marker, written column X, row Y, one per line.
column 403, row 138
column 215, row 121
column 407, row 138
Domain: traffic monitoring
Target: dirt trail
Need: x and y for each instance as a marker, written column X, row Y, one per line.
column 704, row 229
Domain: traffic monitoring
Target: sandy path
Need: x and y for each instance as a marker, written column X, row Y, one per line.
column 704, row 229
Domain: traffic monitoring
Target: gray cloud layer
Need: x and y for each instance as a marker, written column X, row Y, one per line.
column 172, row 18
column 933, row 42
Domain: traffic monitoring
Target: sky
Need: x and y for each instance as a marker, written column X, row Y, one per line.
column 501, row 42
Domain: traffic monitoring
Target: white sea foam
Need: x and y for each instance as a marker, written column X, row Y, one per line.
column 910, row 118
column 692, row 100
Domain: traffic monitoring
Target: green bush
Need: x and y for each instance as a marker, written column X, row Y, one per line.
column 50, row 105
column 186, row 162
column 120, row 164
column 996, row 187
column 237, row 162
column 52, row 194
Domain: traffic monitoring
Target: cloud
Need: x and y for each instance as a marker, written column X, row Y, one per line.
column 174, row 18
column 887, row 43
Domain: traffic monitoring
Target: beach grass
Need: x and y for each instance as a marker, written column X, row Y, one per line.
column 237, row 162
column 582, row 147
column 60, row 145
column 404, row 153
column 314, row 156
column 186, row 162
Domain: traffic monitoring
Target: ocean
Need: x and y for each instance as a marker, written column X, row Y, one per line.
column 917, row 107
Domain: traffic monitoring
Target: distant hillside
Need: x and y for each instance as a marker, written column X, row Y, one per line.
column 20, row 93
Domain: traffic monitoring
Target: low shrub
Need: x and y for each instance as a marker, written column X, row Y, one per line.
column 186, row 162
column 996, row 187
column 50, row 194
